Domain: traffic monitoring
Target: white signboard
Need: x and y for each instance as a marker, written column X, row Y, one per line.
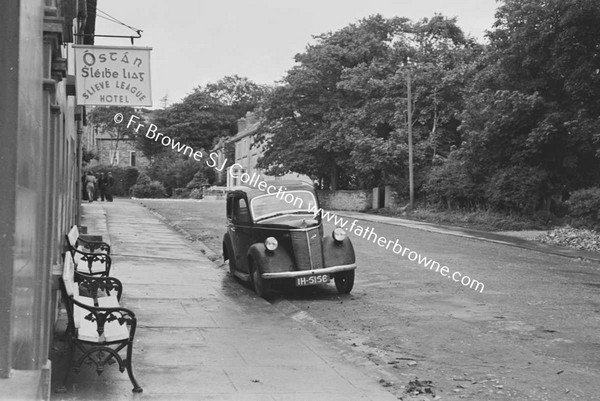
column 112, row 76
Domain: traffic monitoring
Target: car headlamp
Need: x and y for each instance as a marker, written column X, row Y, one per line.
column 271, row 244
column 339, row 234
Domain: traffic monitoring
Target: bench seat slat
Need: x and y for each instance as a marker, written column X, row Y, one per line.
column 82, row 248
column 108, row 302
column 78, row 311
column 113, row 331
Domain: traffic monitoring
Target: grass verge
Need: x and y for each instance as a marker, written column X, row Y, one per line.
column 479, row 220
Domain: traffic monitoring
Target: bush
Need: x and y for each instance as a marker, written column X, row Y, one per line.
column 125, row 177
column 181, row 193
column 450, row 185
column 175, row 171
column 198, row 181
column 197, row 193
column 145, row 188
column 517, row 189
column 584, row 207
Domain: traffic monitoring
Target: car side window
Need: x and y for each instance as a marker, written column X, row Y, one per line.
column 241, row 214
column 229, row 208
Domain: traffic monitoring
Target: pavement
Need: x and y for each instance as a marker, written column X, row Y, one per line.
column 200, row 335
column 498, row 238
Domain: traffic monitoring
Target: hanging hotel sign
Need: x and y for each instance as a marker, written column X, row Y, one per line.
column 112, row 76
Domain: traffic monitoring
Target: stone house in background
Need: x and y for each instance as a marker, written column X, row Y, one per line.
column 111, row 152
column 125, row 154
column 247, row 153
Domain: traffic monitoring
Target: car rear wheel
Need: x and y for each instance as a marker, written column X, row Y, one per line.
column 261, row 287
column 344, row 281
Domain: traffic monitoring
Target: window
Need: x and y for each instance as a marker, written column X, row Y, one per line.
column 132, row 158
column 241, row 215
column 294, row 202
column 235, row 176
column 230, row 208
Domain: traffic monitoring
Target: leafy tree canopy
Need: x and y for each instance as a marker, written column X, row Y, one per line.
column 340, row 115
column 532, row 119
column 210, row 111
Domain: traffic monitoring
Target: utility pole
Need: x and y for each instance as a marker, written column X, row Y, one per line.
column 410, row 145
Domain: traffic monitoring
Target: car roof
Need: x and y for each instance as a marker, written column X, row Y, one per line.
column 286, row 185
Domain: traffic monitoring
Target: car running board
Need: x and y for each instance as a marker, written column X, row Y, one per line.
column 242, row 276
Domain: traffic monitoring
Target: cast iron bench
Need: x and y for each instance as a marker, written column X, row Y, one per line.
column 90, row 257
column 98, row 327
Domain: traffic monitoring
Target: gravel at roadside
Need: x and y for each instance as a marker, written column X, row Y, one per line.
column 578, row 238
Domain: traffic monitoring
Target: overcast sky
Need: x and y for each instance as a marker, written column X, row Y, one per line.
column 195, row 42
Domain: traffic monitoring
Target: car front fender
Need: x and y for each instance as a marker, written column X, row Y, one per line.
column 276, row 261
column 335, row 253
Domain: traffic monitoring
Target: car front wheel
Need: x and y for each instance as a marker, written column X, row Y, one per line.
column 231, row 258
column 344, row 281
column 261, row 287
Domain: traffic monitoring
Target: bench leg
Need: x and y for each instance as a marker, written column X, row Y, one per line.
column 129, row 367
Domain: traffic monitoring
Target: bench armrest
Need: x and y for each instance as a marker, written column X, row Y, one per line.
column 93, row 284
column 94, row 246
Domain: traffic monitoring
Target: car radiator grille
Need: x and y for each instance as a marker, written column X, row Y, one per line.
column 307, row 249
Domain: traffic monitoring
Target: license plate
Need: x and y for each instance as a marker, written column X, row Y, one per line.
column 312, row 280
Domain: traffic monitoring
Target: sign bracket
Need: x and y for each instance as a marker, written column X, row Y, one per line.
column 93, row 35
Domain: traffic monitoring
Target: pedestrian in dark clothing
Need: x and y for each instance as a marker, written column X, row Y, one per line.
column 97, row 186
column 108, row 187
column 84, row 195
column 102, row 186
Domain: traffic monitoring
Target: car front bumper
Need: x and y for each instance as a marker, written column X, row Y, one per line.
column 301, row 273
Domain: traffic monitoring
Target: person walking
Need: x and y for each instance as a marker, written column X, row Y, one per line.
column 102, row 187
column 97, row 186
column 84, row 193
column 108, row 187
column 90, row 185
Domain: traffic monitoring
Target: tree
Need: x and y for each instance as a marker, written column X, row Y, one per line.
column 532, row 119
column 150, row 148
column 87, row 156
column 302, row 129
column 210, row 112
column 164, row 101
column 340, row 116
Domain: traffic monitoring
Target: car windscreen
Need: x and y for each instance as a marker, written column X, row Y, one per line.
column 277, row 204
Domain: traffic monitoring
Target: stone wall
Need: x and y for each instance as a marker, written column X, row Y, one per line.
column 355, row 200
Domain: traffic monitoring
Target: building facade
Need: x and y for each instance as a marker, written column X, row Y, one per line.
column 111, row 151
column 40, row 160
column 123, row 153
column 248, row 151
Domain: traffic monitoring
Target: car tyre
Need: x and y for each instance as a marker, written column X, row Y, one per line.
column 231, row 259
column 344, row 281
column 261, row 287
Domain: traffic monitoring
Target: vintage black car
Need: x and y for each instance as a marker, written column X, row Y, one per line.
column 275, row 237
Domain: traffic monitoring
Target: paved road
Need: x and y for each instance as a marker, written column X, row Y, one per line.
column 533, row 334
